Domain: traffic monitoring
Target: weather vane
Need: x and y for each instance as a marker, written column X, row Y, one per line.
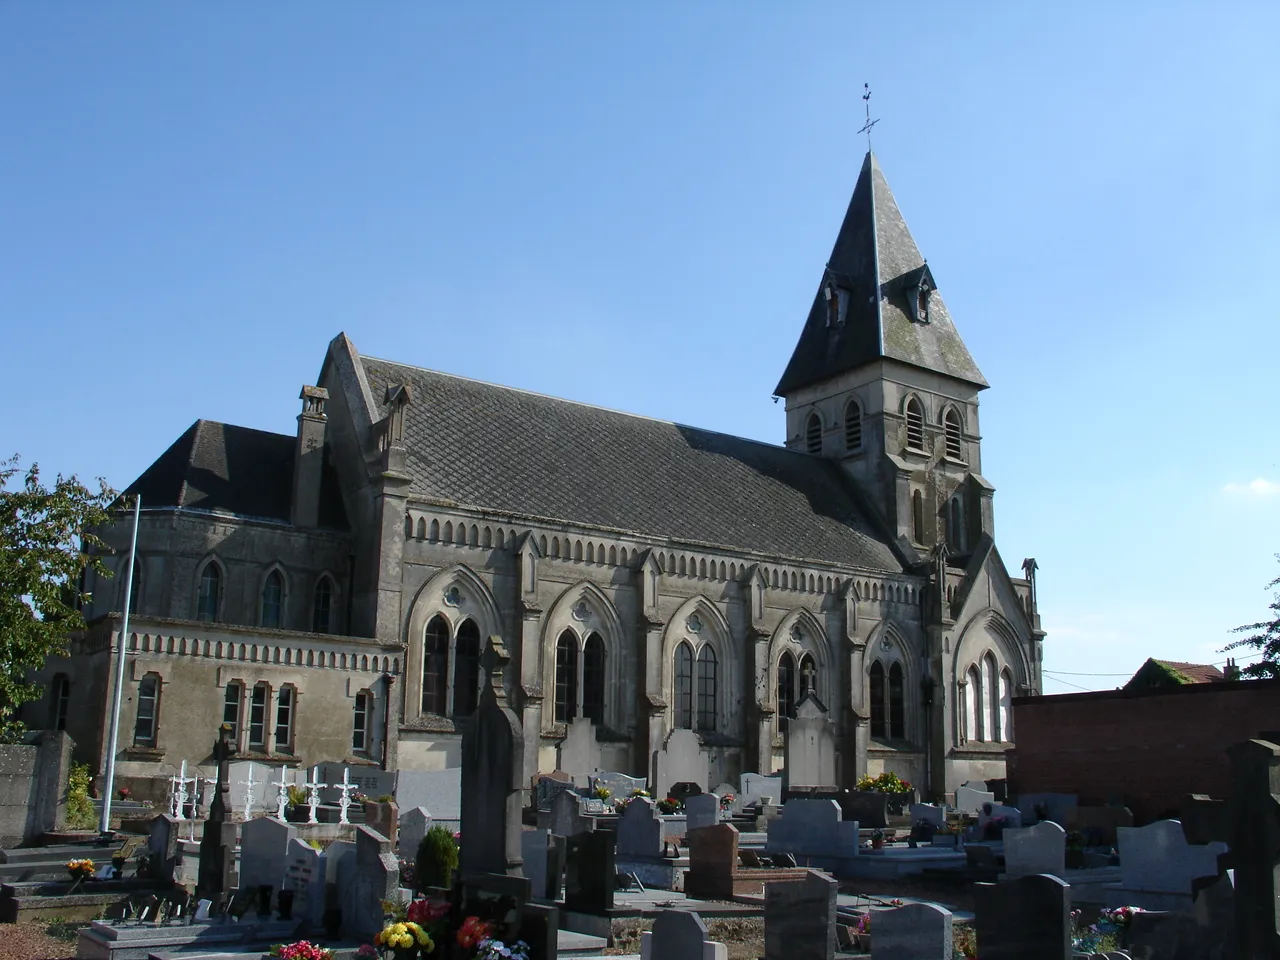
column 866, row 127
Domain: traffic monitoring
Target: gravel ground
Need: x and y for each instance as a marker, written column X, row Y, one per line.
column 32, row 941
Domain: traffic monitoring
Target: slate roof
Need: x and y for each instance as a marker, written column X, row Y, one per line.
column 236, row 470
column 875, row 260
column 507, row 450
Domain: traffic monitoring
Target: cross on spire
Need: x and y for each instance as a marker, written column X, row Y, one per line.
column 866, row 127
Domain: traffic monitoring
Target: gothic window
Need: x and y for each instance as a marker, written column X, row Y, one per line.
column 1005, row 711
column 707, row 689
column 593, row 679
column 566, row 677
column 322, row 613
column 808, row 676
column 786, row 686
column 917, row 516
column 990, row 699
column 360, row 723
column 684, row 686
column 973, row 706
column 61, row 701
column 466, row 669
column 286, row 707
column 915, row 424
column 877, row 701
column 210, row 593
column 813, row 434
column 897, row 709
column 853, row 426
column 148, row 720
column 232, row 701
column 258, row 717
column 953, row 429
column 272, row 599
column 435, row 667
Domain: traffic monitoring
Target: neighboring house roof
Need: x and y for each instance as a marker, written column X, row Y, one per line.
column 1170, row 673
column 877, row 262
column 524, row 454
column 229, row 469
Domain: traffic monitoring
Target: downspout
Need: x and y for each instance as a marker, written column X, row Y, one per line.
column 386, row 718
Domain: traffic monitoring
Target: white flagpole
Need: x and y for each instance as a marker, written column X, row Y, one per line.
column 108, row 787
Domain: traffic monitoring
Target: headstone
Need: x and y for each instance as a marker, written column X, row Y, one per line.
column 680, row 935
column 619, row 785
column 240, row 790
column 162, row 846
column 713, row 859
column 264, row 850
column 579, row 752
column 809, row 747
column 1157, row 858
column 970, row 798
column 217, row 848
column 540, row 928
column 800, row 918
column 384, row 818
column 1255, row 839
column 931, row 813
column 869, row 808
column 812, row 828
column 1099, row 824
column 547, row 787
column 753, row 786
column 557, row 856
column 1058, row 807
column 702, row 811
column 916, row 931
column 640, row 830
column 681, row 760
column 1206, row 932
column 377, row 878
column 1203, row 819
column 590, row 877
column 440, row 791
column 1023, row 919
column 304, row 877
column 533, row 853
column 1008, row 816
column 414, row 825
column 370, row 781
column 1041, row 848
column 492, row 774
column 567, row 819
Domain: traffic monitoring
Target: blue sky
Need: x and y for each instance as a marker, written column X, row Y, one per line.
column 630, row 205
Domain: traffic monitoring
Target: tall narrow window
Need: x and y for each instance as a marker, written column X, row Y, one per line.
column 808, row 676
column 360, row 723
column 957, row 523
column 136, row 591
column 285, row 710
column 973, row 705
column 684, row 686
column 954, row 430
column 877, row 700
column 962, row 703
column 232, row 702
column 435, row 667
column 707, row 689
column 61, row 701
column 210, row 593
column 466, row 669
column 593, row 679
column 915, row 424
column 990, row 698
column 566, row 677
column 1005, row 712
column 917, row 516
column 853, row 426
column 144, row 729
column 786, row 686
column 897, row 718
column 258, row 717
column 813, row 434
column 322, row 614
column 272, row 599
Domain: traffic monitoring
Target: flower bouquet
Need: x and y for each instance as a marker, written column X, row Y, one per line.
column 727, row 801
column 80, row 869
column 669, row 805
column 404, row 941
column 602, row 793
column 301, row 950
column 497, row 950
column 472, row 933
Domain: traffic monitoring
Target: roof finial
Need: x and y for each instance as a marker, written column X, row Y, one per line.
column 866, row 127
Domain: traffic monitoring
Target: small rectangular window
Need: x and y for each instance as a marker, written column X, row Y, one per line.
column 284, row 720
column 144, row 730
column 258, row 718
column 231, row 709
column 360, row 723
column 61, row 701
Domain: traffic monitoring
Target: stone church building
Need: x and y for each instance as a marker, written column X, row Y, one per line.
column 328, row 592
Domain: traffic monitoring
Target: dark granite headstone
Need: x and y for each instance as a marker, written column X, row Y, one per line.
column 1255, row 845
column 556, row 853
column 800, row 919
column 540, row 929
column 869, row 808
column 590, row 876
column 1206, row 932
column 1023, row 919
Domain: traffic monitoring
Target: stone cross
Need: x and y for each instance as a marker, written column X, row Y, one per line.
column 313, row 794
column 807, row 681
column 344, row 802
column 248, row 793
column 180, row 793
column 282, row 793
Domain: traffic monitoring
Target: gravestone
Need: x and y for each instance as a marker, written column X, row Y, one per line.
column 440, row 791
column 713, row 859
column 304, row 877
column 567, row 819
column 680, row 935
column 1058, row 807
column 1203, row 819
column 933, row 814
column 217, row 847
column 812, row 828
column 753, row 786
column 264, row 848
column 970, row 798
column 1157, row 858
column 533, row 855
column 492, row 774
column 1023, row 919
column 869, row 808
column 590, row 877
column 546, row 788
column 619, row 785
column 640, row 830
column 384, row 818
column 1011, row 816
column 414, row 825
column 579, row 752
column 681, row 760
column 1206, row 932
column 800, row 918
column 1099, row 824
column 916, row 931
column 369, row 780
column 377, row 878
column 809, row 747
column 702, row 810
column 1255, row 840
column 1041, row 848
column 162, row 846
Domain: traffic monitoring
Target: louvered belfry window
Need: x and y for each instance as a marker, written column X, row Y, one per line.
column 813, row 434
column 915, row 424
column 954, row 430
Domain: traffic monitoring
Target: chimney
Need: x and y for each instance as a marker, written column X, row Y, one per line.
column 1231, row 671
column 308, row 458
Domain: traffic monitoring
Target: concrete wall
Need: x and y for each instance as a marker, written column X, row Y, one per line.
column 33, row 787
column 1151, row 746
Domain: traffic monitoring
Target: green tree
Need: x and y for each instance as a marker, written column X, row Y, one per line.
column 1264, row 636
column 45, row 544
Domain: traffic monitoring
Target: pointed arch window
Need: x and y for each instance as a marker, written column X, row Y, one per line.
column 917, row 516
column 209, row 596
column 466, row 669
column 232, row 704
column 707, row 689
column 435, row 667
column 593, row 679
column 954, row 429
column 322, row 612
column 813, row 434
column 786, row 686
column 853, row 426
column 566, row 677
column 272, row 599
column 915, row 424
column 897, row 707
column 877, row 701
column 973, row 705
column 1004, row 713
column 684, row 686
column 61, row 701
column 990, row 699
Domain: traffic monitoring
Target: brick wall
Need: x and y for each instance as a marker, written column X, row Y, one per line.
column 1151, row 746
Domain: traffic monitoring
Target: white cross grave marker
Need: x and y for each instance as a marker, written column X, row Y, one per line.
column 248, row 793
column 282, row 792
column 344, row 802
column 313, row 794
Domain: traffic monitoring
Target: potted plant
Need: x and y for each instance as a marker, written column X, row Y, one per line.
column 668, row 806
column 877, row 840
column 404, row 941
column 296, row 810
column 727, row 801
column 602, row 793
column 80, row 869
column 900, row 792
column 437, row 859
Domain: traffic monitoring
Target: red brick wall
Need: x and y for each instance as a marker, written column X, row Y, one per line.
column 1152, row 746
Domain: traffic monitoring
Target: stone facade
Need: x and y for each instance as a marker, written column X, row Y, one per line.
column 359, row 566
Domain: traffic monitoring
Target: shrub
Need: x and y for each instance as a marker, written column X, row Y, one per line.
column 79, row 806
column 437, row 858
column 297, row 795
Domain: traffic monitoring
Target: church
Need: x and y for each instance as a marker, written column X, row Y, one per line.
column 327, row 592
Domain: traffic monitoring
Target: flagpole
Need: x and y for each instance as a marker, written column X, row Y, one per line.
column 104, row 825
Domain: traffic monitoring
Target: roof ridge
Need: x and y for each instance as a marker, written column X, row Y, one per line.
column 237, row 426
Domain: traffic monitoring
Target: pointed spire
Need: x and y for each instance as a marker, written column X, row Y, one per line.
column 876, row 299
